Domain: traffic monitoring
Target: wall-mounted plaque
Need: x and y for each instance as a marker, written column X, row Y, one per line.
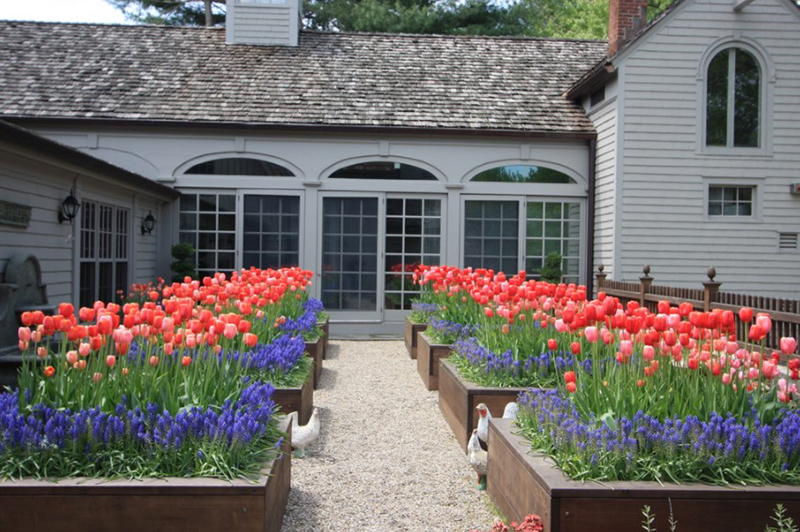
column 14, row 214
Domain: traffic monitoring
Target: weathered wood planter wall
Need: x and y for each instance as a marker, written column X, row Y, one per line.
column 315, row 350
column 458, row 398
column 412, row 331
column 325, row 326
column 520, row 483
column 178, row 504
column 299, row 399
column 428, row 355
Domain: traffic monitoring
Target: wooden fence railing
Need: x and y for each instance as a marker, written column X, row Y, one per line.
column 785, row 313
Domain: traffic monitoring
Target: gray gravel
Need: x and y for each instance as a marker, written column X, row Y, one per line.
column 386, row 459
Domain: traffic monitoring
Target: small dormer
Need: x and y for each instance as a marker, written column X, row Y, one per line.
column 263, row 22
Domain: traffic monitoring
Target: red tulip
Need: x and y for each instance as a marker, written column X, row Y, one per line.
column 788, row 345
column 746, row 314
column 572, row 387
column 49, row 371
column 552, row 344
column 569, row 377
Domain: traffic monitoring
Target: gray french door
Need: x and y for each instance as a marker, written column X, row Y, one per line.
column 350, row 252
column 271, row 229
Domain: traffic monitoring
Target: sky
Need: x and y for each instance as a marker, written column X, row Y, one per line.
column 61, row 11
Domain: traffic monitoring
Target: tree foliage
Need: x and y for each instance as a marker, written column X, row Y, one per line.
column 569, row 19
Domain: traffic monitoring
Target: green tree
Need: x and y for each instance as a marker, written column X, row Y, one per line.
column 173, row 12
column 568, row 19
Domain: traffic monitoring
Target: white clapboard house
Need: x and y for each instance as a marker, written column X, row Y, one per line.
column 676, row 143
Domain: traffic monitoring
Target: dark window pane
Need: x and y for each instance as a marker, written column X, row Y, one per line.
column 746, row 111
column 383, row 170
column 239, row 166
column 523, row 174
column 717, row 100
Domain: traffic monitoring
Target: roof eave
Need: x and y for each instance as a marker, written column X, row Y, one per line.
column 592, row 82
column 25, row 139
column 309, row 128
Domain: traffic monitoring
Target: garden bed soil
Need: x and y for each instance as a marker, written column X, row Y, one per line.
column 315, row 350
column 428, row 355
column 299, row 399
column 175, row 504
column 520, row 483
column 412, row 332
column 458, row 398
column 325, row 326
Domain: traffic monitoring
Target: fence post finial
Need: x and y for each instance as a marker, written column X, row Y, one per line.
column 644, row 284
column 601, row 276
column 710, row 289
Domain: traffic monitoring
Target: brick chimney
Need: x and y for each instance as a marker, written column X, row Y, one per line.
column 263, row 22
column 625, row 19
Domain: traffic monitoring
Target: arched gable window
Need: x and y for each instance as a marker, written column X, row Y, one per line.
column 522, row 174
column 239, row 166
column 383, row 170
column 733, row 99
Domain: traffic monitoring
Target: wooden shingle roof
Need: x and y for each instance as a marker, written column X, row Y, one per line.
column 179, row 74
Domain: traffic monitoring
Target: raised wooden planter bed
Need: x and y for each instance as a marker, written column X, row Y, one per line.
column 428, row 355
column 315, row 350
column 299, row 399
column 520, row 483
column 412, row 331
column 325, row 326
column 176, row 504
column 458, row 398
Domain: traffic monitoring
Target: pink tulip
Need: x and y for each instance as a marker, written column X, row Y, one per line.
column 648, row 352
column 111, row 360
column 753, row 373
column 591, row 334
column 24, row 334
column 770, row 370
column 168, row 348
column 626, row 347
column 788, row 345
column 97, row 377
column 764, row 321
column 561, row 326
column 674, row 320
column 230, row 331
column 41, row 352
column 726, row 378
column 72, row 356
column 23, row 345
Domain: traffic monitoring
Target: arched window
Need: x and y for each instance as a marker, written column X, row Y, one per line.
column 383, row 170
column 733, row 100
column 522, row 174
column 239, row 166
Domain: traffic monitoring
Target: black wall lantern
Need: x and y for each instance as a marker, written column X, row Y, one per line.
column 69, row 208
column 148, row 224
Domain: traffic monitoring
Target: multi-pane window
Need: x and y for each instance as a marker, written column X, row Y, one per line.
column 491, row 235
column 413, row 237
column 208, row 222
column 733, row 100
column 730, row 200
column 271, row 231
column 553, row 227
column 105, row 234
column 349, row 253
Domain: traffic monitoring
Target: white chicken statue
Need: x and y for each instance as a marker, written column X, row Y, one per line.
column 510, row 412
column 303, row 436
column 478, row 459
column 484, row 417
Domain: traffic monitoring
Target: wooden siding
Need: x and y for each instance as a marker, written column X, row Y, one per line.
column 28, row 179
column 605, row 121
column 41, row 187
column 663, row 203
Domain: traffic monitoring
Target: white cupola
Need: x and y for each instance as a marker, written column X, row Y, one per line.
column 263, row 22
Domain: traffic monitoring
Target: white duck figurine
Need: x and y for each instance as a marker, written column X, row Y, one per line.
column 510, row 412
column 304, row 436
column 478, row 459
column 484, row 417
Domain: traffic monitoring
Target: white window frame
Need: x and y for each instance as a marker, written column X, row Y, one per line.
column 237, row 216
column 758, row 190
column 96, row 259
column 241, row 193
column 522, row 225
column 766, row 97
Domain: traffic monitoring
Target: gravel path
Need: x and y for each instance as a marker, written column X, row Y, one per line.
column 386, row 460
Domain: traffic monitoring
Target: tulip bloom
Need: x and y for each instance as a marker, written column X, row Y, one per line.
column 552, row 344
column 788, row 345
column 569, row 377
column 591, row 334
column 49, row 371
